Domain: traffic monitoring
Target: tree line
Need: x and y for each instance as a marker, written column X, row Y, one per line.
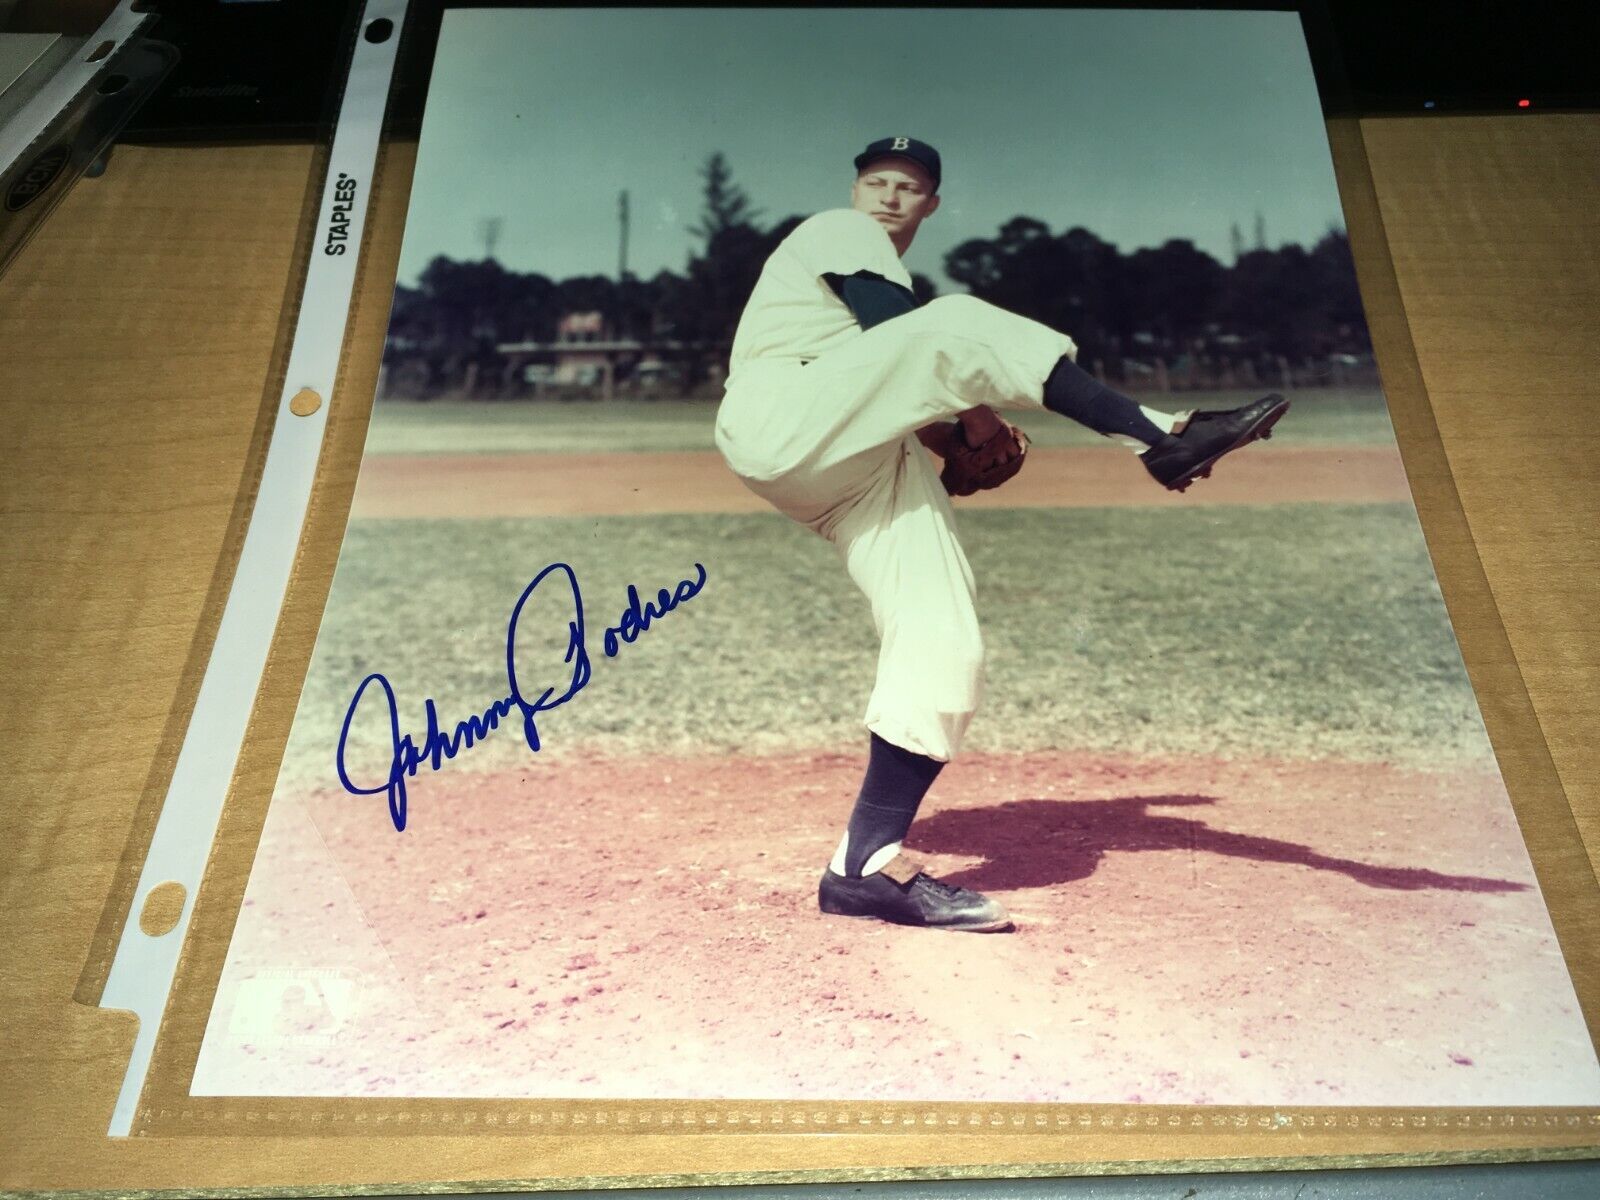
column 1173, row 304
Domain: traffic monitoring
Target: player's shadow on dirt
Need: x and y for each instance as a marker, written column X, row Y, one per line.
column 1041, row 843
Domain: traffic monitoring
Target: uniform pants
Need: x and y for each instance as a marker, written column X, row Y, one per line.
column 832, row 444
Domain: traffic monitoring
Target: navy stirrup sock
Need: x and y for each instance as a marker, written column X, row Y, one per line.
column 896, row 781
column 1073, row 392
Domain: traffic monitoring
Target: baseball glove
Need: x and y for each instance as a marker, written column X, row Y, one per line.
column 969, row 469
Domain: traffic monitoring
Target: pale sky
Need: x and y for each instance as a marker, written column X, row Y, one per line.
column 1139, row 126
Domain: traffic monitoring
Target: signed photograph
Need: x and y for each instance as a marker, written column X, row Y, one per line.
column 881, row 570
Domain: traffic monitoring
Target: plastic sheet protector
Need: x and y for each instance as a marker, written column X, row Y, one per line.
column 648, row 557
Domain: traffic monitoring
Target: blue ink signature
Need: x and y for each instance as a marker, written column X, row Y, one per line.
column 438, row 747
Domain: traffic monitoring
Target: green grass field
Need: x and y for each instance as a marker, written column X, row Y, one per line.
column 1305, row 631
column 1320, row 416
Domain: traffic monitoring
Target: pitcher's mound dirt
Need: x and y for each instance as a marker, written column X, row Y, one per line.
column 1188, row 931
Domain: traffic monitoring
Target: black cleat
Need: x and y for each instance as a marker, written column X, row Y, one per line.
column 903, row 895
column 1177, row 460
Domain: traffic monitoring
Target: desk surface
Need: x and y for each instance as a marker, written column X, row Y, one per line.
column 142, row 330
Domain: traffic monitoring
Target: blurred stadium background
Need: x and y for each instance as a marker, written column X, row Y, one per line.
column 1167, row 318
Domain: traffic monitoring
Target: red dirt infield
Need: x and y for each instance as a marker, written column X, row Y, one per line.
column 1188, row 931
column 698, row 481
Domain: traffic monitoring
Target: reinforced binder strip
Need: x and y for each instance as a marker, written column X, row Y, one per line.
column 62, row 88
column 146, row 960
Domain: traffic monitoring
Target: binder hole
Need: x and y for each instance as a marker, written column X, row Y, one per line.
column 113, row 84
column 305, row 402
column 100, row 51
column 163, row 905
column 378, row 31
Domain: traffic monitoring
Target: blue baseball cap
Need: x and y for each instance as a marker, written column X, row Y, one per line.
column 924, row 155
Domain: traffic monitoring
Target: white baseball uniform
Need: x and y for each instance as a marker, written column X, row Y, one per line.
column 820, row 419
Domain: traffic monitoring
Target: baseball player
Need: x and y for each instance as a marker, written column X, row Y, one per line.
column 838, row 387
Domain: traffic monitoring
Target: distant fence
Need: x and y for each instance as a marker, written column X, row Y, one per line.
column 412, row 381
column 1205, row 375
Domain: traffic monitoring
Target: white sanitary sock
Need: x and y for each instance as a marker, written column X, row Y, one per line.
column 1166, row 422
column 877, row 862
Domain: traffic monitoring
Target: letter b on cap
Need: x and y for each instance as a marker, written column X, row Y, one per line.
column 901, row 143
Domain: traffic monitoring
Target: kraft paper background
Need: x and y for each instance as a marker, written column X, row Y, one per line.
column 153, row 315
